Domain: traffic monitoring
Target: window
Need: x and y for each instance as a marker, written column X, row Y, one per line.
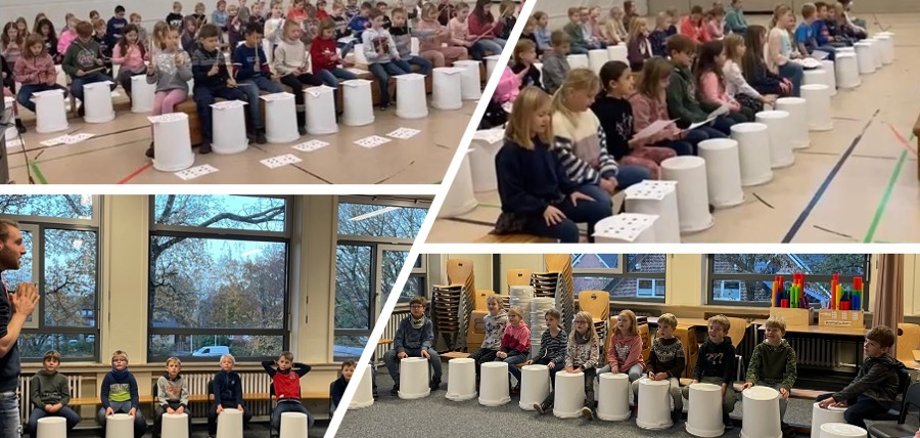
column 625, row 276
column 374, row 239
column 218, row 279
column 60, row 234
column 748, row 278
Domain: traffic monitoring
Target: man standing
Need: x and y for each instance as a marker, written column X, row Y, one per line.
column 14, row 309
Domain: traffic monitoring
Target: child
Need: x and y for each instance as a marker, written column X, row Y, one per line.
column 805, row 33
column 387, row 23
column 175, row 17
column 321, row 13
column 693, row 27
column 447, row 10
column 199, row 14
column 527, row 34
column 93, row 15
column 672, row 21
column 594, row 31
column 297, row 12
column 50, row 394
column 432, row 35
column 715, row 364
column 130, row 54
column 272, row 28
column 542, row 32
column 105, row 42
column 639, row 48
column 581, row 355
column 172, row 395
column 212, row 80
column 399, row 30
column 536, row 195
column 141, row 31
column 755, row 68
column 615, row 114
column 525, row 56
column 460, row 35
column 822, row 33
column 325, row 59
column 735, row 84
column 666, row 362
column 649, row 105
column 382, row 56
column 779, row 49
column 507, row 90
column 658, row 37
column 257, row 17
column 158, row 36
column 494, row 329
column 118, row 393
column 228, row 394
column 854, row 28
column 235, row 27
column 682, row 102
column 35, row 71
column 710, row 82
column 837, row 25
column 83, row 62
column 189, row 30
column 629, row 13
column 414, row 338
column 68, row 35
column 352, row 10
column 254, row 74
column 877, row 384
column 624, row 351
column 552, row 346
column 13, row 43
column 116, row 25
column 483, row 26
column 219, row 16
column 291, row 64
column 338, row 387
column 581, row 144
column 286, row 375
column 616, row 30
column 23, row 27
column 555, row 64
column 45, row 29
column 734, row 19
column 244, row 11
column 170, row 70
column 507, row 18
column 714, row 22
column 773, row 363
column 515, row 345
column 577, row 43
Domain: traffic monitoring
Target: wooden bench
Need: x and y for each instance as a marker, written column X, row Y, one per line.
column 446, row 357
column 806, row 394
column 514, row 238
column 917, row 134
column 202, row 398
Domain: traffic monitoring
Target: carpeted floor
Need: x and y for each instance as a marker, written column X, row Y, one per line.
column 256, row 430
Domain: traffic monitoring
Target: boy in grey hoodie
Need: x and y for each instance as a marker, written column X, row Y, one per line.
column 50, row 394
column 773, row 363
column 172, row 395
column 414, row 338
column 382, row 55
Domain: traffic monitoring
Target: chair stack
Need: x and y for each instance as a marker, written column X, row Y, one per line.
column 445, row 310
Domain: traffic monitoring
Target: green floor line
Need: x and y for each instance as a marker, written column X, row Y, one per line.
column 37, row 173
column 880, row 210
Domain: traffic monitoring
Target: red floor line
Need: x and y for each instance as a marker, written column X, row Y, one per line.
column 134, row 174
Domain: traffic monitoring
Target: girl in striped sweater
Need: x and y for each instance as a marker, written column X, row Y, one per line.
column 552, row 346
column 515, row 346
column 581, row 356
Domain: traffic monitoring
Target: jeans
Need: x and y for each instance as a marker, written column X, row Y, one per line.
column 204, row 97
column 212, row 416
column 557, row 367
column 703, row 133
column 634, row 372
column 480, row 356
column 383, row 72
column 682, row 147
column 9, row 414
column 728, row 400
column 298, row 83
column 251, row 87
column 795, row 74
column 140, row 424
column 860, row 409
column 26, row 92
column 629, row 175
column 72, row 417
column 676, row 399
column 158, row 417
column 76, row 86
column 477, row 51
column 332, row 77
column 424, row 65
column 434, row 361
column 514, row 358
column 584, row 212
column 288, row 406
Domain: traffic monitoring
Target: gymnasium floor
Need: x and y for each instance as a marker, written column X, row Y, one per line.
column 116, row 154
column 872, row 197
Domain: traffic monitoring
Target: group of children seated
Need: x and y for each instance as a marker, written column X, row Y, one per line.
column 880, row 380
column 308, row 48
column 571, row 136
column 118, row 393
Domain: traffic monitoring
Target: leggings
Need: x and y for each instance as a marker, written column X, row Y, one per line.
column 165, row 101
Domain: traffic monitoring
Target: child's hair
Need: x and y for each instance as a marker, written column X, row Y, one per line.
column 189, row 19
column 374, row 13
column 808, row 10
column 883, row 335
column 84, row 29
column 119, row 9
column 732, row 43
column 706, row 61
column 579, row 79
column 123, row 42
column 633, row 323
column 326, row 24
column 493, row 299
column 681, row 44
column 661, row 19
column 208, row 31
column 161, row 42
column 552, row 313
column 98, row 23
column 716, row 11
column 52, row 354
column 418, row 300
column 286, row 355
column 520, row 130
column 133, row 16
column 539, row 15
column 637, row 23
column 777, row 322
column 696, row 10
column 462, row 6
column 229, row 357
column 612, row 71
column 38, row 17
column 347, row 363
column 119, row 353
column 778, row 12
column 199, row 5
column 616, row 11
column 481, row 11
column 559, row 38
column 668, row 319
column 32, row 40
column 573, row 10
column 42, row 23
column 653, row 72
column 93, row 14
column 516, row 311
column 753, row 57
column 671, row 12
column 288, row 25
column 819, row 5
column 254, row 28
column 523, row 46
column 506, row 6
column 584, row 315
column 721, row 320
column 398, row 11
column 427, row 9
column 159, row 33
column 173, row 360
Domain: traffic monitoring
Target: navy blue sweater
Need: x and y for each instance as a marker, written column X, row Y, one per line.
column 228, row 389
column 529, row 181
column 246, row 58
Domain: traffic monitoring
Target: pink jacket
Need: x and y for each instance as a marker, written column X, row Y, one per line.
column 714, row 28
column 624, row 352
column 516, row 338
column 132, row 60
column 698, row 34
column 712, row 90
column 508, row 87
column 35, row 70
column 647, row 110
column 67, row 37
column 458, row 31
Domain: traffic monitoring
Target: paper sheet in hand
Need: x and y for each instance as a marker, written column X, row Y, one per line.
column 808, row 63
column 712, row 116
column 656, row 127
column 820, row 55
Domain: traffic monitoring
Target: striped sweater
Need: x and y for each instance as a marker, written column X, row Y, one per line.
column 553, row 347
column 667, row 356
column 582, row 356
column 581, row 146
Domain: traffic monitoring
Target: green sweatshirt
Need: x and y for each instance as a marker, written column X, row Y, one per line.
column 773, row 364
column 576, row 37
column 681, row 95
column 49, row 389
column 81, row 56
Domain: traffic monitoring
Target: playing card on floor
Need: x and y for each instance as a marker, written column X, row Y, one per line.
column 372, row 141
column 404, row 133
column 280, row 160
column 76, row 138
column 195, row 172
column 55, row 141
column 311, row 146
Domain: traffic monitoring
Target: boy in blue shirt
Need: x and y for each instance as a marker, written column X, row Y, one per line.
column 822, row 31
column 805, row 33
column 254, row 74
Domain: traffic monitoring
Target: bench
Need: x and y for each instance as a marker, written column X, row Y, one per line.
column 917, row 134
column 306, row 396
column 800, row 393
column 446, row 357
column 514, row 238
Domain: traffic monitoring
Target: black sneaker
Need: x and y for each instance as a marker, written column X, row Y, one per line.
column 260, row 137
column 149, row 152
column 20, row 127
column 205, row 148
column 395, row 390
column 435, row 385
column 81, row 112
column 727, row 421
column 540, row 408
column 302, row 130
column 383, row 107
column 587, row 414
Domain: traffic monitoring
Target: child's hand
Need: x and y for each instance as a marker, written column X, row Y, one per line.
column 425, row 354
column 570, row 370
column 784, row 392
column 826, row 403
column 180, row 410
column 215, row 69
column 501, row 355
column 179, row 60
column 575, row 196
column 239, row 408
column 402, row 355
column 551, row 365
column 49, row 409
column 80, row 73
column 553, row 216
column 609, row 184
column 724, row 388
column 132, row 412
column 614, row 369
column 98, row 61
column 109, row 412
column 231, row 83
column 220, row 409
column 747, row 385
column 170, row 410
column 661, row 376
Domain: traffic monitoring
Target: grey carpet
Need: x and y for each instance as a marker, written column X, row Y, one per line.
column 256, row 430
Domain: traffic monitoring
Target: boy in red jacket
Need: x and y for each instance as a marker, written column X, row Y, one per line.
column 286, row 374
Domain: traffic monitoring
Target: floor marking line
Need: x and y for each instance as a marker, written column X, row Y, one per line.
column 135, row 173
column 312, row 174
column 762, row 201
column 886, row 196
column 828, row 230
column 37, row 173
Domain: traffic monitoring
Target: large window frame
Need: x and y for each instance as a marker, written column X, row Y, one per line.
column 622, row 273
column 742, row 278
column 198, row 232
column 37, row 225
